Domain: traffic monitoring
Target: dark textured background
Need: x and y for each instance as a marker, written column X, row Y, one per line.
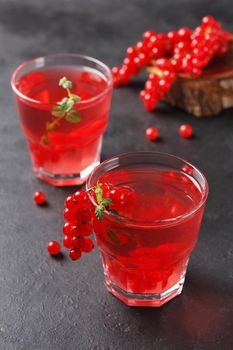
column 56, row 304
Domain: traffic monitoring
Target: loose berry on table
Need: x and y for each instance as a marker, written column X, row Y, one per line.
column 39, row 198
column 185, row 131
column 152, row 134
column 53, row 248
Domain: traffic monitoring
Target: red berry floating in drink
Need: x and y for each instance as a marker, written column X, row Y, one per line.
column 166, row 55
column 39, row 198
column 185, row 131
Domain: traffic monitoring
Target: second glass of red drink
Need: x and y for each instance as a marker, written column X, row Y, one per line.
column 63, row 124
column 148, row 234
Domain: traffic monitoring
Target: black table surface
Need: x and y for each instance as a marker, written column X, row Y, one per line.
column 48, row 303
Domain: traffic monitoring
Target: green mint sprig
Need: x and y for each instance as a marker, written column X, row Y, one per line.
column 103, row 203
column 65, row 107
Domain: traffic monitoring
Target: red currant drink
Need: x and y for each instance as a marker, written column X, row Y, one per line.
column 66, row 153
column 147, row 238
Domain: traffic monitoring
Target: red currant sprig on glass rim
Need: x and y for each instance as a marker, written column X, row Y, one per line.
column 78, row 215
column 166, row 55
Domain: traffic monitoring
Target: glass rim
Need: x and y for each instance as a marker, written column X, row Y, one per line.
column 166, row 222
column 80, row 56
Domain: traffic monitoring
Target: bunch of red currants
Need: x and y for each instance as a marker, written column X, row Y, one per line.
column 78, row 227
column 183, row 51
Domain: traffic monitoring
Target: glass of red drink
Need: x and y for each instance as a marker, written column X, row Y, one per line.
column 146, row 246
column 67, row 152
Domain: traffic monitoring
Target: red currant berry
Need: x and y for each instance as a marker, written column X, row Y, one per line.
column 185, row 131
column 84, row 214
column 131, row 52
column 173, row 36
column 71, row 216
column 88, row 246
column 75, row 254
column 148, row 34
column 115, row 71
column 85, row 230
column 106, row 188
column 157, row 52
column 208, row 20
column 125, row 195
column 142, row 95
column 53, row 248
column 130, row 65
column 169, row 76
column 77, row 242
column 124, row 75
column 66, row 228
column 74, row 231
column 39, row 198
column 150, row 104
column 70, row 202
column 81, row 197
column 138, row 63
column 164, row 85
column 67, row 242
column 184, row 33
column 163, row 63
column 196, row 72
column 182, row 47
column 153, row 78
column 152, row 134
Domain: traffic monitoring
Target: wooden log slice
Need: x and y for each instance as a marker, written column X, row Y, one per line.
column 208, row 94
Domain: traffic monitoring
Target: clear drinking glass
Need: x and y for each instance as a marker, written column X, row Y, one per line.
column 146, row 250
column 63, row 152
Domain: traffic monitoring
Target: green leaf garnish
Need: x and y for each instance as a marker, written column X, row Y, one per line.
column 99, row 193
column 99, row 210
column 63, row 109
column 103, row 203
column 73, row 116
column 66, row 104
column 56, row 112
column 76, row 98
column 106, row 202
column 65, row 83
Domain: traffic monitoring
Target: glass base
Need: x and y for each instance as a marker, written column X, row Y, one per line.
column 65, row 179
column 151, row 300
